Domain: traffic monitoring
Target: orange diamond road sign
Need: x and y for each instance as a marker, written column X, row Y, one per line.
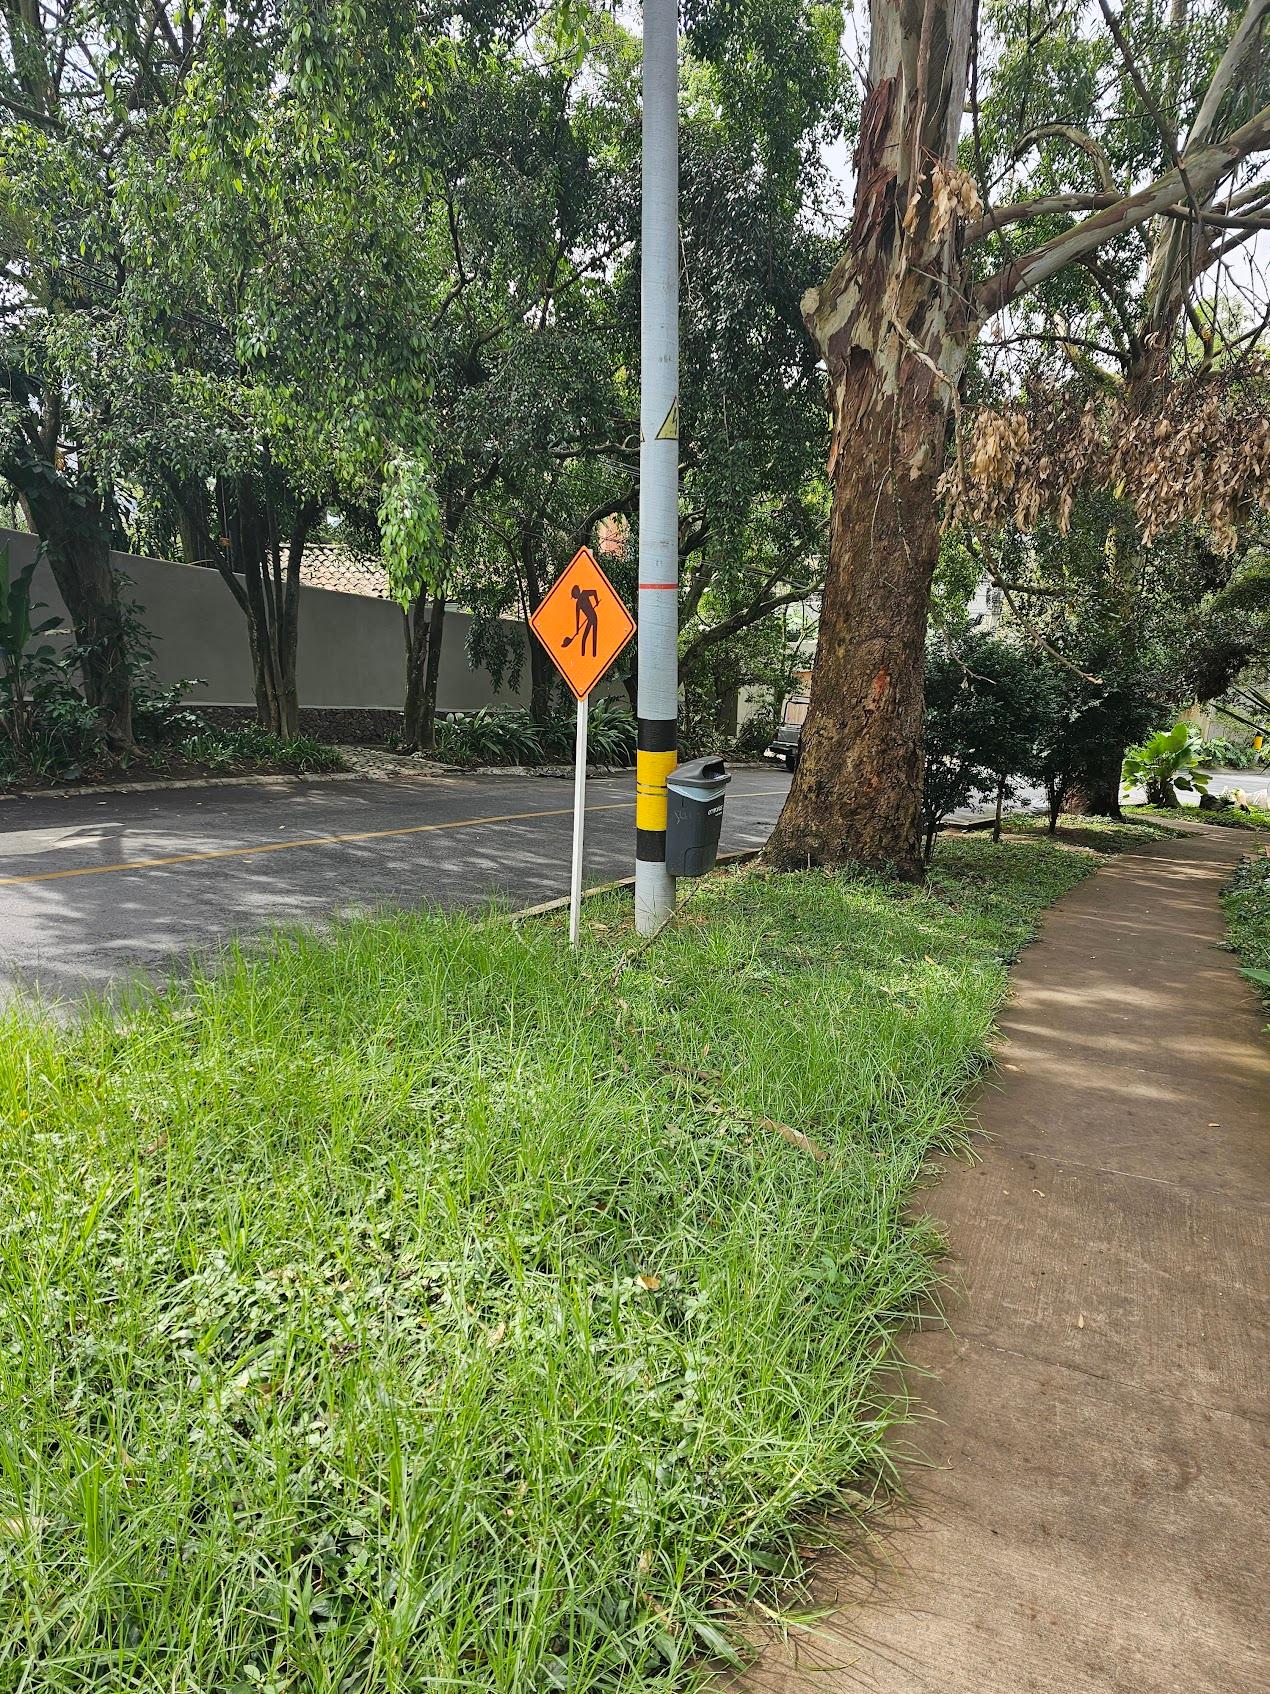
column 582, row 623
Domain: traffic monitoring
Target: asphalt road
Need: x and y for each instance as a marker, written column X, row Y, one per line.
column 95, row 890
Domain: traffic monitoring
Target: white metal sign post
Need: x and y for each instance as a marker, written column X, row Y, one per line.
column 584, row 626
column 579, row 820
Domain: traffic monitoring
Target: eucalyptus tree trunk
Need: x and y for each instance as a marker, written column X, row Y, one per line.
column 894, row 324
column 893, row 328
column 1094, row 791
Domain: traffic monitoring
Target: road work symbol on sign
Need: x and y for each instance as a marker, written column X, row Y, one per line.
column 582, row 623
column 584, row 626
column 588, row 620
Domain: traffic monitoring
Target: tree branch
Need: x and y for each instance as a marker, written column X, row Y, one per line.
column 1079, row 138
column 1242, row 42
column 1022, row 211
column 734, row 624
column 1018, row 211
column 1204, row 170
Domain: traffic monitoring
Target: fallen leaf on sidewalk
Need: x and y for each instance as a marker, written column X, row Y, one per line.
column 1080, row 1321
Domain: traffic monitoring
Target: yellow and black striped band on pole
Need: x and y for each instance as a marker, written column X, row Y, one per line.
column 656, row 755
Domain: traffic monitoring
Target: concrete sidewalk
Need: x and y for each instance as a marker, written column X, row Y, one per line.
column 1094, row 1513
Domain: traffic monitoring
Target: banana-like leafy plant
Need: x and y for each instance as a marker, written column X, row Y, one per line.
column 1167, row 761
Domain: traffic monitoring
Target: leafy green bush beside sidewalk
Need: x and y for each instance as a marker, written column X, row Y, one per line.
column 422, row 1307
column 1234, row 817
column 1247, row 904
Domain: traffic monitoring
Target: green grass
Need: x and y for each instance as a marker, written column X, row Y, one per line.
column 1102, row 835
column 421, row 1308
column 1247, row 904
column 1243, row 817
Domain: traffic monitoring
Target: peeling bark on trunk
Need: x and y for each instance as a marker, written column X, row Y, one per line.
column 892, row 325
column 856, row 794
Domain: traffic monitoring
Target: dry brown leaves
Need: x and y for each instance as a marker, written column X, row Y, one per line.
column 1200, row 456
column 953, row 195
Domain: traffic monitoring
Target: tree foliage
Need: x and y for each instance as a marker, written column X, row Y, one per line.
column 1109, row 168
column 991, row 710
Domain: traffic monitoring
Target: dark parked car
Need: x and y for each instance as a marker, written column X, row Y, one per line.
column 785, row 744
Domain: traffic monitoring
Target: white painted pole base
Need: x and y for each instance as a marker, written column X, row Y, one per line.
column 579, row 823
column 654, row 896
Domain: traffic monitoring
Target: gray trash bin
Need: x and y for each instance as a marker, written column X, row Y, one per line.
column 694, row 815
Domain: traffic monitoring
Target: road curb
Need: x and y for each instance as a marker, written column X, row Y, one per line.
column 275, row 779
column 288, row 779
column 561, row 902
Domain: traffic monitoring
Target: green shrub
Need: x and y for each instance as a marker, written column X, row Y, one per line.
column 490, row 737
column 1235, row 753
column 251, row 743
column 63, row 737
column 610, row 733
column 509, row 736
column 1247, row 904
column 47, row 733
column 1165, row 762
column 160, row 716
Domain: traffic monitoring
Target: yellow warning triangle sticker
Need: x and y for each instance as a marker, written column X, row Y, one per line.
column 669, row 431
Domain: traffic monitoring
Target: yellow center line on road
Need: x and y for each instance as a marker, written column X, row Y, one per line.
column 320, row 841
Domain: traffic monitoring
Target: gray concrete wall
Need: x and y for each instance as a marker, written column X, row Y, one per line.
column 351, row 653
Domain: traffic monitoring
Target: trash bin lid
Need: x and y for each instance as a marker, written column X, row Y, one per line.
column 709, row 775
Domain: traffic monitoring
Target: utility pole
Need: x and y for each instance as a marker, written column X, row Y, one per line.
column 658, row 682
